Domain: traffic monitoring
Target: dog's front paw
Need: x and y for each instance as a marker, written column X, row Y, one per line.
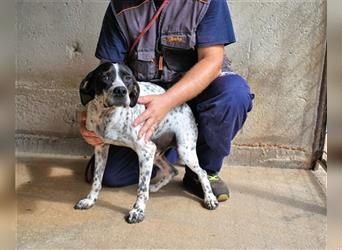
column 136, row 215
column 84, row 204
column 210, row 202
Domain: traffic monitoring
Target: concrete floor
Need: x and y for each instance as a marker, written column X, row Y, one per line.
column 269, row 208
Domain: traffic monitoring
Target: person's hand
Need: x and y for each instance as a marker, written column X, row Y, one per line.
column 157, row 106
column 89, row 136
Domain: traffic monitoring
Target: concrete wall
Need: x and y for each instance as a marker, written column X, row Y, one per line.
column 280, row 51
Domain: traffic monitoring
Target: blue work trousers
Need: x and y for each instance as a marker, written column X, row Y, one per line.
column 220, row 112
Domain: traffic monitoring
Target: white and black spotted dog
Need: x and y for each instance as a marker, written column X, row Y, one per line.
column 111, row 93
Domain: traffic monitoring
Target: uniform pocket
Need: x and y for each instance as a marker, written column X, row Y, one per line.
column 143, row 66
column 179, row 52
column 178, row 41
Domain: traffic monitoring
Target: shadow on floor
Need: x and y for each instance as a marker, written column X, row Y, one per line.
column 282, row 199
column 67, row 185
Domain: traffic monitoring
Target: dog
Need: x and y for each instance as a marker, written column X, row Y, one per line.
column 110, row 93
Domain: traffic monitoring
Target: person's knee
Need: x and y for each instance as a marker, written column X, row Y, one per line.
column 235, row 98
column 112, row 181
column 238, row 103
column 122, row 168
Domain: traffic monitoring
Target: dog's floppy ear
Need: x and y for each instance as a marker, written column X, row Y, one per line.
column 87, row 89
column 134, row 94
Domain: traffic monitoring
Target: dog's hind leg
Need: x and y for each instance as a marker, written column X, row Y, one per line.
column 168, row 172
column 101, row 154
column 189, row 156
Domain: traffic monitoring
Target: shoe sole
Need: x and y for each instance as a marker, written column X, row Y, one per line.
column 222, row 197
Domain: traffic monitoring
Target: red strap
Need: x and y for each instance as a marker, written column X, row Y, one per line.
column 148, row 26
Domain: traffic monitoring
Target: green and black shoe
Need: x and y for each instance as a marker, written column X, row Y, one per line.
column 193, row 185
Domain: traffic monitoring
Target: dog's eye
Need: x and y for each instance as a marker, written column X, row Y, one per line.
column 105, row 77
column 127, row 78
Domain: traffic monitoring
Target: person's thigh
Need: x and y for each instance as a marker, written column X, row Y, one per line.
column 220, row 111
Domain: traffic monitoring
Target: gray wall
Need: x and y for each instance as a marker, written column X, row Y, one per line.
column 280, row 52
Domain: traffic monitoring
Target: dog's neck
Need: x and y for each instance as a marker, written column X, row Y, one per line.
column 96, row 110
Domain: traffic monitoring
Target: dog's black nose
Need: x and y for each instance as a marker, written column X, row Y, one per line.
column 120, row 91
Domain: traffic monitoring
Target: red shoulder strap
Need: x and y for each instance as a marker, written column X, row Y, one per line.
column 148, row 26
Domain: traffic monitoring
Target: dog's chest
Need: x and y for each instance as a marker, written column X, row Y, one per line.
column 113, row 127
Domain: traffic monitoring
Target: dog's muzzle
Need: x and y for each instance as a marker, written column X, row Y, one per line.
column 118, row 97
column 120, row 92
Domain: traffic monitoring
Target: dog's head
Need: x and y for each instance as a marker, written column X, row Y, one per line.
column 112, row 82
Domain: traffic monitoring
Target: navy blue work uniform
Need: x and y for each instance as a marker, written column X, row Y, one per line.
column 220, row 110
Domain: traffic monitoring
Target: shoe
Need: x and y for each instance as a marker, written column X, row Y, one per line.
column 193, row 185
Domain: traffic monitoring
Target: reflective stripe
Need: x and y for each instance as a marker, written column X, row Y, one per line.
column 227, row 73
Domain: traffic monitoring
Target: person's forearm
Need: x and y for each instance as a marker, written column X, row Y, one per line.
column 195, row 80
